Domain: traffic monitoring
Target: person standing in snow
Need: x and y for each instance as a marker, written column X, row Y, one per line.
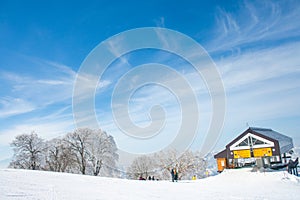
column 173, row 175
column 194, row 178
column 207, row 173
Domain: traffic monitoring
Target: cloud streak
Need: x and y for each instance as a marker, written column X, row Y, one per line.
column 255, row 22
column 28, row 93
column 14, row 106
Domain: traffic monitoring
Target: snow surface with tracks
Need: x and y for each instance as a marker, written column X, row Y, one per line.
column 231, row 184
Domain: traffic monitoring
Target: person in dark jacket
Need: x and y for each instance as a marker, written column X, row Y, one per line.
column 173, row 175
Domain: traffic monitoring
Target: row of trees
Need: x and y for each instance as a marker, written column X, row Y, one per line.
column 83, row 151
column 94, row 152
column 160, row 164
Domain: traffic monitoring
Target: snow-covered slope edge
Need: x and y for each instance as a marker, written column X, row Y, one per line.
column 231, row 184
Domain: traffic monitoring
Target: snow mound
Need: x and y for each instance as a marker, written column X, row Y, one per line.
column 231, row 184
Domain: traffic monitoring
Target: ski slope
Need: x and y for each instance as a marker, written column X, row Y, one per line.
column 231, row 184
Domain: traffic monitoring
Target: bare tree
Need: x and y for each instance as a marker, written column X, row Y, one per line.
column 28, row 151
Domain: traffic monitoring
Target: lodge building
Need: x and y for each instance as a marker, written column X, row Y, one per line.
column 260, row 146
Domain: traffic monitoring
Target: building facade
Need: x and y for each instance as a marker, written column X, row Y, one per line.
column 261, row 146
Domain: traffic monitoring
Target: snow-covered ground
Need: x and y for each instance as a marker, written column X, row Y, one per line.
column 231, row 184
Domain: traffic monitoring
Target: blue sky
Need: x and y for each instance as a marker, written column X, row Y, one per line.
column 254, row 44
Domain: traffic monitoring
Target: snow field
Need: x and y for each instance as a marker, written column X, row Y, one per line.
column 231, row 184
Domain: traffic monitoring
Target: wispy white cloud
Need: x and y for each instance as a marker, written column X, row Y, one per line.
column 117, row 46
column 47, row 129
column 252, row 67
column 227, row 23
column 12, row 77
column 26, row 93
column 254, row 22
column 51, row 82
column 14, row 106
column 60, row 67
column 168, row 41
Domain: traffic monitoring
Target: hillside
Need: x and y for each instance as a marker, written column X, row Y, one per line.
column 231, row 184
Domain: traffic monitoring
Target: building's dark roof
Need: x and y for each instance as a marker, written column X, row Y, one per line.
column 221, row 154
column 285, row 142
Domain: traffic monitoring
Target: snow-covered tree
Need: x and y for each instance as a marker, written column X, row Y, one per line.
column 78, row 141
column 59, row 156
column 85, row 151
column 102, row 152
column 186, row 164
column 142, row 166
column 93, row 150
column 197, row 166
column 28, row 151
